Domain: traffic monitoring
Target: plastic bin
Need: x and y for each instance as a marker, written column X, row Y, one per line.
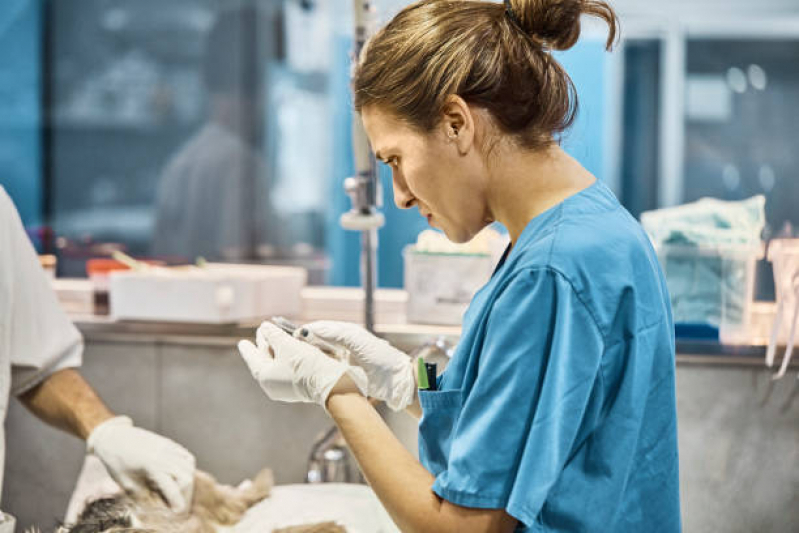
column 712, row 285
column 784, row 256
column 440, row 286
column 214, row 294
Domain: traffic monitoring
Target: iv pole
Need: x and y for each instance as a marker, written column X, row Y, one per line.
column 364, row 187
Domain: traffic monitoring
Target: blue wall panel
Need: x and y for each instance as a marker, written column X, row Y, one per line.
column 587, row 141
column 20, row 96
column 402, row 226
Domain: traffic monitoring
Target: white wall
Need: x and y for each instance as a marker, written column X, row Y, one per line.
column 667, row 11
column 677, row 7
column 717, row 8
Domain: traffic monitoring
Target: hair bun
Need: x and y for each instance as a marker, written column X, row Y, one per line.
column 556, row 23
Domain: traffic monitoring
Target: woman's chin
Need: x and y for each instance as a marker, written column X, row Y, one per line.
column 457, row 237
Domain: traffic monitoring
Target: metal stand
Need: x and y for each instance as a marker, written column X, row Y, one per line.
column 364, row 188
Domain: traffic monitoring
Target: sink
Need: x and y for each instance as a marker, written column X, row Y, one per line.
column 354, row 506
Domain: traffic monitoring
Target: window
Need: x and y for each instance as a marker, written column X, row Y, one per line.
column 158, row 139
column 640, row 161
column 741, row 116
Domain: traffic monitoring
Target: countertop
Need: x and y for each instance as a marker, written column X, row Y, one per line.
column 404, row 336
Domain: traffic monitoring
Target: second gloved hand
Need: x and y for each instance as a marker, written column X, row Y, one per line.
column 140, row 460
column 290, row 370
column 389, row 370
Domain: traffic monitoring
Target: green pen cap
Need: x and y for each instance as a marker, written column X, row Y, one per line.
column 423, row 383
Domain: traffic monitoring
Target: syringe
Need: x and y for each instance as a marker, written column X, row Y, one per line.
column 304, row 334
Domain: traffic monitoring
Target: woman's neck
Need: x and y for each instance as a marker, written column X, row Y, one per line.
column 524, row 184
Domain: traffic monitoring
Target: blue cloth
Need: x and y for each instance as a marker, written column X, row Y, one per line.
column 559, row 404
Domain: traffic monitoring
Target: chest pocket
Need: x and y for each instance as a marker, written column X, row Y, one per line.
column 440, row 412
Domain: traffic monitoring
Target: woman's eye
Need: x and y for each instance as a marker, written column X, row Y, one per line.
column 392, row 162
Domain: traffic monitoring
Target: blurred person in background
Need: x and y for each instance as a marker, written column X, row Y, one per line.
column 40, row 350
column 212, row 200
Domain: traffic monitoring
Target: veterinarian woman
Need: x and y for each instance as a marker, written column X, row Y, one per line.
column 557, row 411
column 39, row 351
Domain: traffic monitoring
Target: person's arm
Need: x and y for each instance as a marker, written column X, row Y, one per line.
column 66, row 401
column 137, row 459
column 290, row 370
column 401, row 483
column 44, row 347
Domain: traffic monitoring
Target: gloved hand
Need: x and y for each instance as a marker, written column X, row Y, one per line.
column 140, row 460
column 389, row 370
column 290, row 370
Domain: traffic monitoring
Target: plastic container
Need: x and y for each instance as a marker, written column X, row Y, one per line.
column 347, row 304
column 440, row 286
column 99, row 270
column 762, row 322
column 217, row 293
column 49, row 263
column 712, row 285
column 784, row 256
column 76, row 296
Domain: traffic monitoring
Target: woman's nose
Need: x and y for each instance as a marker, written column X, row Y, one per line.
column 402, row 196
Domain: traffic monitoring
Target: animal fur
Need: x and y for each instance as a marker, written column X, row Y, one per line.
column 212, row 505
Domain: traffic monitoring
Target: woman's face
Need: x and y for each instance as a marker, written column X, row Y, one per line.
column 431, row 171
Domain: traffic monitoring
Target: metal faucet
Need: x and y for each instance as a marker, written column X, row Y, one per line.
column 330, row 461
column 364, row 188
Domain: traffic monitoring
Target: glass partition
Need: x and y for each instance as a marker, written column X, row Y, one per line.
column 159, row 141
column 741, row 116
column 198, row 128
column 640, row 145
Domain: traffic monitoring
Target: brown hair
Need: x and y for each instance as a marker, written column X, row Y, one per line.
column 492, row 58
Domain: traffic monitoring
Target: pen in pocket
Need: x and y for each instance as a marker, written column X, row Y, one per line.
column 430, row 368
column 426, row 375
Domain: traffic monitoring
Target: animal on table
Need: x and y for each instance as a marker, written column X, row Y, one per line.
column 214, row 506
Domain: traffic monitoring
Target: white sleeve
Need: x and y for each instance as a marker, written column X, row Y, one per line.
column 40, row 339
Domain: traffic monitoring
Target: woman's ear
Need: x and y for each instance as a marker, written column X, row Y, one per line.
column 458, row 123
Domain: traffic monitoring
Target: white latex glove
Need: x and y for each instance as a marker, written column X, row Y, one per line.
column 389, row 370
column 140, row 460
column 290, row 370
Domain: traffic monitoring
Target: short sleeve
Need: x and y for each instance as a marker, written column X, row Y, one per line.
column 527, row 410
column 39, row 337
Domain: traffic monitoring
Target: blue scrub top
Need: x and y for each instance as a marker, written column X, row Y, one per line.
column 558, row 404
